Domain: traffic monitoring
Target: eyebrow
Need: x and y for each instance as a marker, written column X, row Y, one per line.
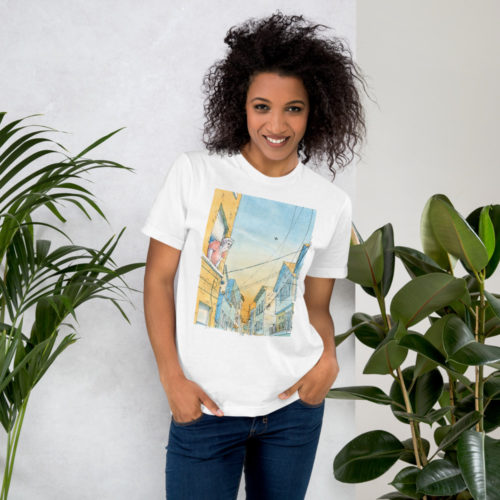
column 267, row 100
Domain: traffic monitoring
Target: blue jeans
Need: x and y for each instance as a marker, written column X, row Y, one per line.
column 206, row 456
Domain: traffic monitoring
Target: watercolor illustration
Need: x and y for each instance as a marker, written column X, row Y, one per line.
column 253, row 250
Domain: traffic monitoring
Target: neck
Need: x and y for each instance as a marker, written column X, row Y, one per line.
column 271, row 168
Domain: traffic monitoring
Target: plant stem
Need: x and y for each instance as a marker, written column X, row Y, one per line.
column 12, row 447
column 418, row 449
column 381, row 304
column 451, row 386
column 4, row 300
column 479, row 332
column 476, row 373
column 412, row 422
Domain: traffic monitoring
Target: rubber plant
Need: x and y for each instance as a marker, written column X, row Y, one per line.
column 434, row 389
column 34, row 277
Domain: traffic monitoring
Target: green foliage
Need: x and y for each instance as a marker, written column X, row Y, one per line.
column 55, row 282
column 433, row 391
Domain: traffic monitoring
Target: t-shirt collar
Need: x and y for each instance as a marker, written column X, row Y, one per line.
column 258, row 175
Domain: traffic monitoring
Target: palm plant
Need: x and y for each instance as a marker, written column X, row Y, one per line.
column 52, row 282
column 463, row 316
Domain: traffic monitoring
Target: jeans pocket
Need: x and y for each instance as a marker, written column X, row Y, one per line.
column 311, row 405
column 183, row 424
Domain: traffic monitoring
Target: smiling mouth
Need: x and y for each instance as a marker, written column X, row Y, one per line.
column 277, row 142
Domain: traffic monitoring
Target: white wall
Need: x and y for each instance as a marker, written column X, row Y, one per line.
column 433, row 68
column 97, row 424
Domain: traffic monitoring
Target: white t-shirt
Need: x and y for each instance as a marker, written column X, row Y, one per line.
column 248, row 240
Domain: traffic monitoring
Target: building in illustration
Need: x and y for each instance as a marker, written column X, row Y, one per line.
column 286, row 293
column 264, row 311
column 251, row 320
column 216, row 247
column 228, row 311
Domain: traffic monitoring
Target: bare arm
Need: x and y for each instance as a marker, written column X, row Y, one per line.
column 159, row 307
column 317, row 296
column 184, row 396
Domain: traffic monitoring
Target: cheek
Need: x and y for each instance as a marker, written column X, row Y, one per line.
column 253, row 121
column 300, row 124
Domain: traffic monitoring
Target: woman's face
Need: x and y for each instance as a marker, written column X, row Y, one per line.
column 277, row 108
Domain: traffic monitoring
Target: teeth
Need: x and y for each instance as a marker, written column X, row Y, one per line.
column 275, row 141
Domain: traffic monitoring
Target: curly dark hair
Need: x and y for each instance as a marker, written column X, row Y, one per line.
column 288, row 46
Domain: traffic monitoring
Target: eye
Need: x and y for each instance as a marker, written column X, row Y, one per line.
column 262, row 107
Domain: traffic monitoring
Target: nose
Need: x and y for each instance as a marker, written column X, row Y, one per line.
column 277, row 122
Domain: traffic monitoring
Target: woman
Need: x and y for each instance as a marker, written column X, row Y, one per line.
column 246, row 350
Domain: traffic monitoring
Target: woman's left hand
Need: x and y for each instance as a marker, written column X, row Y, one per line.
column 315, row 384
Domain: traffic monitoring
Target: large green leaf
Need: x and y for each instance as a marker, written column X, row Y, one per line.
column 394, row 495
column 367, row 456
column 456, row 430
column 366, row 261
column 492, row 416
column 434, row 335
column 487, row 230
column 491, row 411
column 389, row 354
column 418, row 343
column 440, row 477
column 459, row 306
column 424, row 295
column 494, row 214
column 416, row 262
column 494, row 302
column 404, row 481
column 478, row 456
column 455, row 234
column 385, row 359
column 389, row 258
column 340, row 337
column 388, row 262
column 427, row 388
column 367, row 330
column 423, row 392
column 430, row 243
column 409, row 454
column 461, row 346
column 366, row 392
column 429, row 418
column 492, row 386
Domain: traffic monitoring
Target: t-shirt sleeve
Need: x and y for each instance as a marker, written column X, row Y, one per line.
column 166, row 220
column 331, row 261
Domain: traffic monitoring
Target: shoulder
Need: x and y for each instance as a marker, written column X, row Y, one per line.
column 204, row 164
column 201, row 160
column 189, row 162
column 202, row 156
column 325, row 189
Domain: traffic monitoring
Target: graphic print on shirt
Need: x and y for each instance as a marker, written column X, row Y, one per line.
column 252, row 254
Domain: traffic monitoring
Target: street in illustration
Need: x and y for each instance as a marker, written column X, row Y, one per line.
column 253, row 251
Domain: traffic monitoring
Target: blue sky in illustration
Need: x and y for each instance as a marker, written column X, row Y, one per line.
column 266, row 233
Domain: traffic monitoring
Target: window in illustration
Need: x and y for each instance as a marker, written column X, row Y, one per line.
column 252, row 253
